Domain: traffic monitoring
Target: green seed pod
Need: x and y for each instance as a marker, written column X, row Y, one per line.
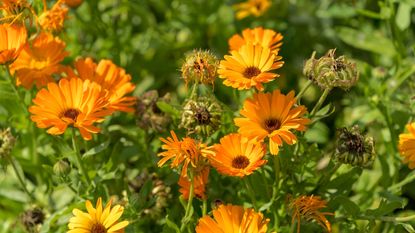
column 62, row 168
column 201, row 116
column 201, row 67
column 329, row 72
column 7, row 142
column 354, row 148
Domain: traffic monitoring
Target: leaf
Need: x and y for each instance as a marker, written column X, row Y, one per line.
column 403, row 15
column 408, row 227
column 172, row 224
column 385, row 208
column 373, row 41
column 349, row 206
column 167, row 108
column 96, row 150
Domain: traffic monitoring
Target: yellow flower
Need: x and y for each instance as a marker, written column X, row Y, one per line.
column 12, row 39
column 248, row 67
column 200, row 181
column 308, row 208
column 53, row 20
column 273, row 115
column 97, row 220
column 111, row 78
column 183, row 152
column 238, row 156
column 37, row 63
column 72, row 102
column 407, row 145
column 233, row 219
column 264, row 37
column 252, row 7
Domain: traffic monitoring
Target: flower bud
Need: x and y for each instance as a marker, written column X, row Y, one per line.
column 201, row 67
column 201, row 116
column 7, row 142
column 149, row 116
column 329, row 72
column 62, row 168
column 354, row 148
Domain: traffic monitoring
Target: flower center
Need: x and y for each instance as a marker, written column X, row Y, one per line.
column 355, row 144
column 272, row 124
column 251, row 71
column 71, row 113
column 240, row 162
column 98, row 228
column 202, row 116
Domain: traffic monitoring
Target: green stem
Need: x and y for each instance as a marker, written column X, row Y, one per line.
column 188, row 215
column 79, row 159
column 204, row 207
column 303, row 90
column 21, row 99
column 389, row 218
column 277, row 169
column 407, row 180
column 320, row 102
column 19, row 177
column 250, row 191
column 194, row 90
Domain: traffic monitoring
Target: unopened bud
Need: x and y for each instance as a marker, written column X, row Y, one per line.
column 7, row 142
column 62, row 168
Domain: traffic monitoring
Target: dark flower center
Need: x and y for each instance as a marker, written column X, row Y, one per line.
column 338, row 66
column 202, row 116
column 272, row 124
column 355, row 144
column 240, row 162
column 199, row 64
column 71, row 113
column 251, row 71
column 98, row 228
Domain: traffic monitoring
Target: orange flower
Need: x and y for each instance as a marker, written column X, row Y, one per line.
column 37, row 63
column 272, row 115
column 249, row 67
column 12, row 39
column 199, row 184
column 111, row 78
column 53, row 19
column 73, row 102
column 252, row 7
column 233, row 219
column 14, row 10
column 72, row 3
column 308, row 208
column 238, row 156
column 183, row 152
column 407, row 145
column 264, row 37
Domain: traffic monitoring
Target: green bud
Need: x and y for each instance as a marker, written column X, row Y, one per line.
column 7, row 142
column 354, row 148
column 62, row 168
column 329, row 72
column 201, row 67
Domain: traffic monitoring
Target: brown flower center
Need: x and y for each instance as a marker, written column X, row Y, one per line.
column 71, row 113
column 272, row 124
column 202, row 116
column 98, row 228
column 240, row 162
column 251, row 71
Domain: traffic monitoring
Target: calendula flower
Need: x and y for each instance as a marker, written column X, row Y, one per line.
column 98, row 219
column 264, row 37
column 248, row 67
column 38, row 62
column 309, row 209
column 72, row 3
column 201, row 67
column 238, row 156
column 251, row 7
column 273, row 115
column 407, row 145
column 111, row 78
column 73, row 102
column 54, row 18
column 12, row 39
column 200, row 181
column 233, row 219
column 183, row 152
column 14, row 10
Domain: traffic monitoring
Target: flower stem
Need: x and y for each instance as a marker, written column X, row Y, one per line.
column 303, row 90
column 19, row 177
column 204, row 207
column 21, row 99
column 78, row 158
column 250, row 191
column 277, row 169
column 407, row 180
column 320, row 102
column 188, row 214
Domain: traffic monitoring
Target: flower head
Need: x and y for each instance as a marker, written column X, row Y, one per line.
column 233, row 219
column 248, row 67
column 111, row 78
column 264, row 37
column 53, row 20
column 251, row 7
column 200, row 181
column 37, row 63
column 32, row 218
column 273, row 115
column 238, row 156
column 7, row 141
column 72, row 102
column 201, row 67
column 308, row 208
column 14, row 10
column 183, row 152
column 407, row 145
column 98, row 219
column 12, row 39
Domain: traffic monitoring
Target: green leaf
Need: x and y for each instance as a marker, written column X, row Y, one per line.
column 373, row 41
column 385, row 208
column 403, row 16
column 96, row 150
column 349, row 206
column 167, row 108
column 408, row 227
column 172, row 224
